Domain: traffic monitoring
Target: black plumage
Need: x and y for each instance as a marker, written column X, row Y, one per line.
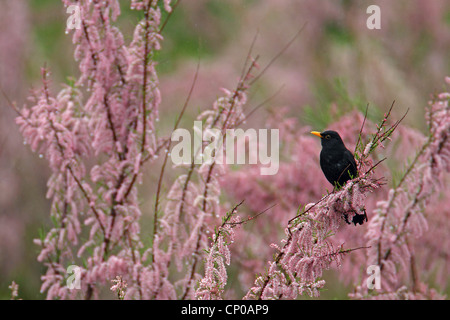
column 338, row 165
column 336, row 161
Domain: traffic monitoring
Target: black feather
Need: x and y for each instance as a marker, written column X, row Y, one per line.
column 336, row 161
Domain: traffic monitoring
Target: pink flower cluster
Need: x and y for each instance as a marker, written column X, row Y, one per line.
column 97, row 133
column 308, row 248
column 397, row 233
column 193, row 202
column 212, row 285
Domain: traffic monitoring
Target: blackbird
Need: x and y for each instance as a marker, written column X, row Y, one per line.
column 338, row 164
column 336, row 161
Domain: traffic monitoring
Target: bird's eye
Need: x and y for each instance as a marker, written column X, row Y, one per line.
column 327, row 136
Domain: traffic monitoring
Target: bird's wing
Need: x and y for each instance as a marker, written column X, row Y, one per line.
column 349, row 157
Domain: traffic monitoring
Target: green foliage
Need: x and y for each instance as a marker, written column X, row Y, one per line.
column 185, row 37
column 338, row 33
column 334, row 101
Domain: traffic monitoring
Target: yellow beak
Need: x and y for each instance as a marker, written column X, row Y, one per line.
column 317, row 133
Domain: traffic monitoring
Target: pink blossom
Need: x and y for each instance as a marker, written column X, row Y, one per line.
column 399, row 224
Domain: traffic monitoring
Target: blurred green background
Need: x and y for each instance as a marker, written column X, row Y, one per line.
column 336, row 65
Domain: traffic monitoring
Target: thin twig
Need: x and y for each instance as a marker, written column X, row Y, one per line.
column 278, row 54
column 361, row 129
column 13, row 106
column 168, row 17
column 374, row 166
column 158, row 190
column 306, row 211
column 226, row 219
column 249, row 55
column 250, row 218
column 259, row 106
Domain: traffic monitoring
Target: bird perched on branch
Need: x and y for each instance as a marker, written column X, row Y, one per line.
column 337, row 163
